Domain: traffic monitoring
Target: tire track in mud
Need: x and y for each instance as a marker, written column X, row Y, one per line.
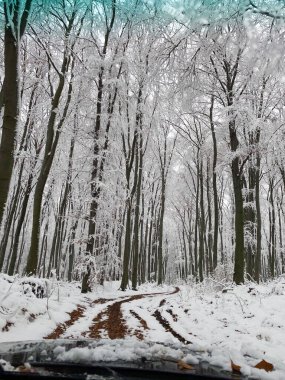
column 110, row 320
column 75, row 315
column 113, row 323
column 138, row 333
column 168, row 328
column 165, row 323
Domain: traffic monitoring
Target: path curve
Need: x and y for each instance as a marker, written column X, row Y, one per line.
column 110, row 320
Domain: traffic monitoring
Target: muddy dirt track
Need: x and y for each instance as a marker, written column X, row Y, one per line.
column 110, row 321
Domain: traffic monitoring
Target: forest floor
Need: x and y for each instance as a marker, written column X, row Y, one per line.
column 225, row 326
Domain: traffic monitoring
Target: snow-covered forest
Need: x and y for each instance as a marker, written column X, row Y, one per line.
column 142, row 141
column 142, row 181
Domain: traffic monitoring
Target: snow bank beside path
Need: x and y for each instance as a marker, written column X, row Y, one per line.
column 23, row 316
column 245, row 324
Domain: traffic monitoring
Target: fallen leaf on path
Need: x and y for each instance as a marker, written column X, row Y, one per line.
column 235, row 367
column 25, row 368
column 182, row 365
column 268, row 367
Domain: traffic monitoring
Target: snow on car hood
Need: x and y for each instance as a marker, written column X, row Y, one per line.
column 88, row 351
column 128, row 352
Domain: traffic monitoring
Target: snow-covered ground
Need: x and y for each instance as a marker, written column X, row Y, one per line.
column 243, row 324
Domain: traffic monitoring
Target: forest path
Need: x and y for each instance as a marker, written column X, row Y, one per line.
column 109, row 321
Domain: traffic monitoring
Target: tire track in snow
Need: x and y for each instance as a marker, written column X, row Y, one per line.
column 168, row 328
column 137, row 332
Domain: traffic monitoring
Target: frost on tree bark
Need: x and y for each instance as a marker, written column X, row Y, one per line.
column 272, row 230
column 165, row 157
column 130, row 163
column 97, row 168
column 201, row 223
column 23, row 211
column 139, row 165
column 52, row 138
column 215, row 190
column 227, row 84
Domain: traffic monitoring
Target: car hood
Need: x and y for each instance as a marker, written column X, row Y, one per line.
column 124, row 353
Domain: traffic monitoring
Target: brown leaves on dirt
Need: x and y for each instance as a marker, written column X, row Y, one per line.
column 111, row 321
column 60, row 329
column 268, row 367
column 235, row 367
column 25, row 368
column 183, row 366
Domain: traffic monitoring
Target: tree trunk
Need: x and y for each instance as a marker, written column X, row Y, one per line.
column 215, row 191
column 52, row 139
column 137, row 215
column 201, row 222
column 160, row 232
column 14, row 30
column 239, row 223
column 257, row 271
column 21, row 219
column 127, row 248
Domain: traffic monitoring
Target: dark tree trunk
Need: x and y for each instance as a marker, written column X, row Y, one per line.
column 97, row 168
column 131, row 158
column 71, row 251
column 14, row 30
column 215, row 191
column 272, row 229
column 239, row 213
column 139, row 153
column 210, row 232
column 52, row 138
column 127, row 248
column 250, row 220
column 15, row 199
column 201, row 223
column 227, row 85
column 257, row 271
column 21, row 219
column 160, row 231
